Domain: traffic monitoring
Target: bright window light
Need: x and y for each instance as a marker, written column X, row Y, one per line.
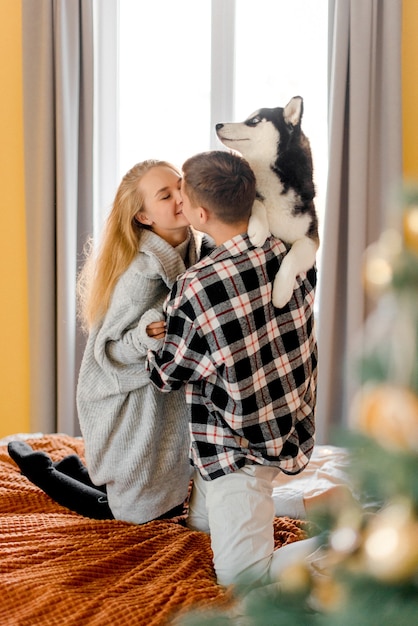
column 165, row 65
column 281, row 51
column 164, row 80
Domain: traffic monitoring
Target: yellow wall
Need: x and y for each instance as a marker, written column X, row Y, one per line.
column 14, row 359
column 410, row 87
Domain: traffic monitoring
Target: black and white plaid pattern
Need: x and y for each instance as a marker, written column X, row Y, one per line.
column 249, row 369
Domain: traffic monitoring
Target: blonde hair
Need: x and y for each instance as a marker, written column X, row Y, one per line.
column 119, row 245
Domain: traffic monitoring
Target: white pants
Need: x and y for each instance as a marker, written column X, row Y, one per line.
column 238, row 512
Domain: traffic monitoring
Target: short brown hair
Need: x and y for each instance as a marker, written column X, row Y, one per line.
column 222, row 182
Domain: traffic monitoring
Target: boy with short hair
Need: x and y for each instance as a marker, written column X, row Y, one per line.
column 249, row 371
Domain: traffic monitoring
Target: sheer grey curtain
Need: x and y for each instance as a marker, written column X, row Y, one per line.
column 365, row 169
column 58, row 144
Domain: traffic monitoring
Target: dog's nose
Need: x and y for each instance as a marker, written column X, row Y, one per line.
column 219, row 126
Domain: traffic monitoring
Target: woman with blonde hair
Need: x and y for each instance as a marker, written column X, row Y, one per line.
column 136, row 438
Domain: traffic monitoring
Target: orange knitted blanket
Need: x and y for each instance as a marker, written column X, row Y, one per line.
column 58, row 568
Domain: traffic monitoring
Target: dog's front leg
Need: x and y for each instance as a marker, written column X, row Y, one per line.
column 300, row 258
column 258, row 226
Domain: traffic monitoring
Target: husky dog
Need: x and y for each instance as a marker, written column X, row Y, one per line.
column 272, row 142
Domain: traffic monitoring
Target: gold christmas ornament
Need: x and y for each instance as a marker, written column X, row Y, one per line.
column 296, row 578
column 344, row 540
column 379, row 260
column 390, row 548
column 388, row 414
column 377, row 272
column 328, row 595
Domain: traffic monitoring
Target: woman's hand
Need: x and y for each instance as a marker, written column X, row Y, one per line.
column 156, row 330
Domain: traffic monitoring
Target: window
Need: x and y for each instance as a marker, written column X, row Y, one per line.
column 281, row 51
column 164, row 80
column 185, row 65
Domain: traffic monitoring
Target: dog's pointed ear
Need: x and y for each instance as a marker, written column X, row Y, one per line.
column 293, row 110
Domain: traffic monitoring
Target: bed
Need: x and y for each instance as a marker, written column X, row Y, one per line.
column 59, row 568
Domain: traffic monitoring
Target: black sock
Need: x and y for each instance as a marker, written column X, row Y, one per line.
column 74, row 494
column 73, row 466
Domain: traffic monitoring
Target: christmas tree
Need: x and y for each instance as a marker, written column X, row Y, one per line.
column 367, row 573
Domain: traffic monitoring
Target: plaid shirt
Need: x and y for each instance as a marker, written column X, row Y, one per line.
column 249, row 369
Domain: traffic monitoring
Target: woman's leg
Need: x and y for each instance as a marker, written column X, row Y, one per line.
column 71, row 493
column 73, row 466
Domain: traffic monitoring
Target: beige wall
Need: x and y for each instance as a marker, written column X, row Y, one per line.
column 14, row 360
column 14, row 357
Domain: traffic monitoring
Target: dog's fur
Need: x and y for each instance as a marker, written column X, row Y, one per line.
column 272, row 142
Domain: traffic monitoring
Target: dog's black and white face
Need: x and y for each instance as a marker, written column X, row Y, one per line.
column 272, row 142
column 258, row 138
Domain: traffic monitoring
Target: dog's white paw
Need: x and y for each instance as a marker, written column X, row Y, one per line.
column 258, row 225
column 283, row 287
column 257, row 231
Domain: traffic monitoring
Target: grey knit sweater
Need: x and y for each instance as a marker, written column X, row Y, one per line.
column 136, row 438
